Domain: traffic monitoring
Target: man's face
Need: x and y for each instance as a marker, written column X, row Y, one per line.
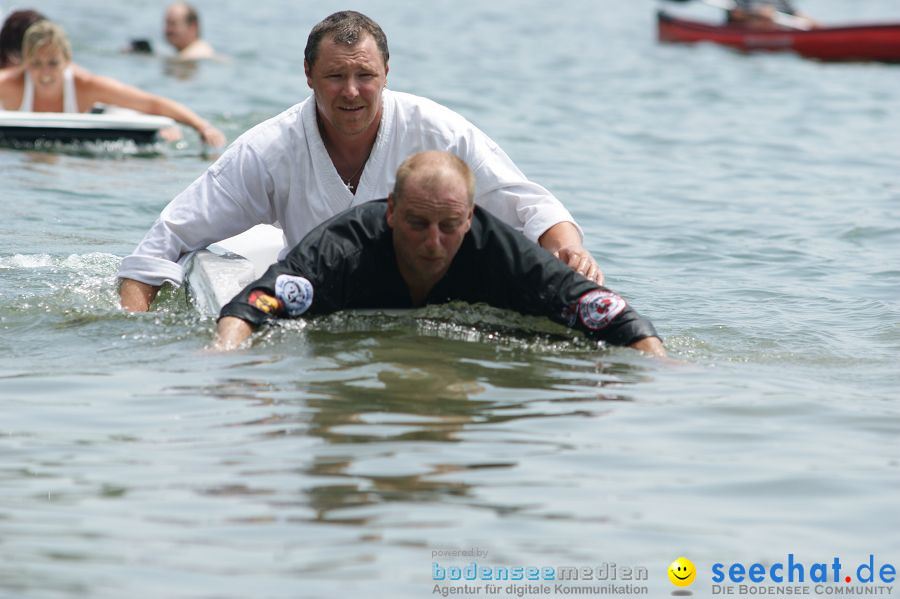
column 178, row 32
column 347, row 83
column 429, row 223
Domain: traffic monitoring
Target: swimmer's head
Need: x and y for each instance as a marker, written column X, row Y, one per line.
column 182, row 25
column 429, row 214
column 45, row 35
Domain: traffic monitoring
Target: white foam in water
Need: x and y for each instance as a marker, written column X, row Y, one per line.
column 27, row 261
column 96, row 263
column 93, row 263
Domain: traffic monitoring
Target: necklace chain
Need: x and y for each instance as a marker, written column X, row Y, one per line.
column 349, row 182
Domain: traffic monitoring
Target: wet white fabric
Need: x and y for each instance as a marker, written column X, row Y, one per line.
column 279, row 172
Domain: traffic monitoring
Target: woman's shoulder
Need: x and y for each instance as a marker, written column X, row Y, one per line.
column 92, row 87
column 12, row 86
column 83, row 76
column 90, row 80
column 12, row 76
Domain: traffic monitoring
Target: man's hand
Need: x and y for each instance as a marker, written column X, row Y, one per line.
column 231, row 332
column 564, row 241
column 581, row 261
column 136, row 296
column 650, row 345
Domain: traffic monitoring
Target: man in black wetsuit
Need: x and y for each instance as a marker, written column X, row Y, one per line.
column 428, row 244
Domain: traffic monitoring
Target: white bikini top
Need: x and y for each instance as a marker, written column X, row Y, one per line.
column 70, row 101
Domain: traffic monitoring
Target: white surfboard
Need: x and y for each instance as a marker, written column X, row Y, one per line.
column 17, row 126
column 215, row 275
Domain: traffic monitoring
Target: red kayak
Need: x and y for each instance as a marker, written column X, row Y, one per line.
column 876, row 42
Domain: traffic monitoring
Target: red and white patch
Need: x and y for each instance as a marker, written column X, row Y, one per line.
column 599, row 307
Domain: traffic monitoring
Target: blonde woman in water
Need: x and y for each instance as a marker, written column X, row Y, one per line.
column 48, row 82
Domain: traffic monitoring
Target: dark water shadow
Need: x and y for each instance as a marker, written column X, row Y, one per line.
column 404, row 389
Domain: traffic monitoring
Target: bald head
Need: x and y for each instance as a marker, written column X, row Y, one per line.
column 182, row 25
column 431, row 170
column 430, row 213
column 182, row 11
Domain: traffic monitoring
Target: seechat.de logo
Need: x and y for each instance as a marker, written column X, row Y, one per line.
column 682, row 572
column 796, row 571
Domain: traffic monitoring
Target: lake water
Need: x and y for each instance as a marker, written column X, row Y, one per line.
column 750, row 205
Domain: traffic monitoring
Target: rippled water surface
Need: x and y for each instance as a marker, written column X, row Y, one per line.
column 750, row 205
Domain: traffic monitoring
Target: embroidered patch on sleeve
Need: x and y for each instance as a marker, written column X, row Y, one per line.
column 261, row 300
column 295, row 292
column 599, row 307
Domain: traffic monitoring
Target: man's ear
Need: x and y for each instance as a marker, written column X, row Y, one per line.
column 390, row 211
column 469, row 218
column 308, row 72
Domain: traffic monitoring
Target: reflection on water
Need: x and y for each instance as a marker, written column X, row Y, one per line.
column 181, row 69
column 380, row 400
column 47, row 151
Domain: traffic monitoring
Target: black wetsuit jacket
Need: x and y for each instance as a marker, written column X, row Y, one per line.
column 349, row 262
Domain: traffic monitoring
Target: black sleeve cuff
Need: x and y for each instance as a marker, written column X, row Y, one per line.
column 250, row 314
column 627, row 328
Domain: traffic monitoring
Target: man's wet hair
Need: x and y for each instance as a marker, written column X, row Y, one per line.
column 440, row 164
column 344, row 27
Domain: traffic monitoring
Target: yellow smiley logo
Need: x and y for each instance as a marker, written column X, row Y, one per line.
column 682, row 572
